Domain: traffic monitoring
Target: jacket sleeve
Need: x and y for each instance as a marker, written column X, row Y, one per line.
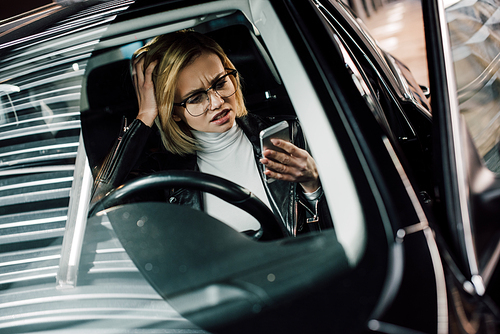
column 122, row 158
column 315, row 215
column 311, row 217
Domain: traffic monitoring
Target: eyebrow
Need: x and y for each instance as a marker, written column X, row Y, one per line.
column 198, row 90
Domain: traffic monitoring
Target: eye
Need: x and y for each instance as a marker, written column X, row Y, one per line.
column 221, row 83
column 196, row 98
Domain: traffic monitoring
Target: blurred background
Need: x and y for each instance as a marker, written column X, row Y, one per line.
column 475, row 45
column 399, row 29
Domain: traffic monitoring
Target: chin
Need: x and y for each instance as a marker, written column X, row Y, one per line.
column 225, row 127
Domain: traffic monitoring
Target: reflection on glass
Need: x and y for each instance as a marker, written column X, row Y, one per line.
column 475, row 40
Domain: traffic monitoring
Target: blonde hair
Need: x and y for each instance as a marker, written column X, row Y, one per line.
column 174, row 52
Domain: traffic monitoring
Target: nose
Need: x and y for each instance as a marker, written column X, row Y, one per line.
column 215, row 101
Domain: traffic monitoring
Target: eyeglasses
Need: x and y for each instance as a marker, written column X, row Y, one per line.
column 198, row 103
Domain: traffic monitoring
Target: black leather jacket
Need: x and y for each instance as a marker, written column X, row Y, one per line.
column 133, row 156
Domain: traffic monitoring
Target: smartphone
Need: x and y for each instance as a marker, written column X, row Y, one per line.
column 277, row 131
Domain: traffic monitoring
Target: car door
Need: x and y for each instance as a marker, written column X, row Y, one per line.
column 238, row 282
column 462, row 64
column 394, row 278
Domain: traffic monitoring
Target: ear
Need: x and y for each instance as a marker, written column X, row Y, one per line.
column 176, row 117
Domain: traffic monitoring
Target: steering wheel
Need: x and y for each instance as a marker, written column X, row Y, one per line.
column 226, row 190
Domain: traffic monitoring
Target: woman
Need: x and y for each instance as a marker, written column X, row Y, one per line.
column 186, row 84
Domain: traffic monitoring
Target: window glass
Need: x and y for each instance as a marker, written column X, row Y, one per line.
column 345, row 207
column 275, row 84
column 473, row 30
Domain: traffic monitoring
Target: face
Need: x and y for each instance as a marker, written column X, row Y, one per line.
column 199, row 76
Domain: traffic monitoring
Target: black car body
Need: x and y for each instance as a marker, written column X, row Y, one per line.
column 415, row 242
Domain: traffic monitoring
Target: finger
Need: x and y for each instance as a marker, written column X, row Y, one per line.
column 151, row 67
column 139, row 71
column 293, row 173
column 284, row 158
column 134, row 63
column 278, row 176
column 148, row 74
column 277, row 167
column 287, row 147
column 137, row 74
column 139, row 56
column 281, row 168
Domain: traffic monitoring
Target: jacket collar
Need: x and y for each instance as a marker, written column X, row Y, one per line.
column 251, row 125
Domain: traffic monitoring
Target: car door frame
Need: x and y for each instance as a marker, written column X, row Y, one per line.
column 457, row 164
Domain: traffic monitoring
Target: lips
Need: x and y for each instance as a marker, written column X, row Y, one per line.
column 221, row 117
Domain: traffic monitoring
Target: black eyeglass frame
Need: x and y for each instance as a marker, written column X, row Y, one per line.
column 229, row 71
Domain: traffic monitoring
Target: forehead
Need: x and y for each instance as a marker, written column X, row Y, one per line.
column 200, row 72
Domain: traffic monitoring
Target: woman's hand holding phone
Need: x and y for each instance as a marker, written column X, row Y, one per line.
column 294, row 165
column 145, row 91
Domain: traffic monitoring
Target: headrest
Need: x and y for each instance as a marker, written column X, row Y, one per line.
column 111, row 97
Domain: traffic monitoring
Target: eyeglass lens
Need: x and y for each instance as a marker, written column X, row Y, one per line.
column 198, row 103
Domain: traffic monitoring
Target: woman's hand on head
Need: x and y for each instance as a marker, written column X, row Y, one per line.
column 145, row 91
column 296, row 165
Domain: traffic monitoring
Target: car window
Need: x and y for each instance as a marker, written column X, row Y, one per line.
column 276, row 84
column 399, row 104
column 64, row 269
column 476, row 60
column 321, row 139
column 271, row 89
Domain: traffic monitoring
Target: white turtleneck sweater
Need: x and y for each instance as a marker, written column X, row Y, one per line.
column 230, row 156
